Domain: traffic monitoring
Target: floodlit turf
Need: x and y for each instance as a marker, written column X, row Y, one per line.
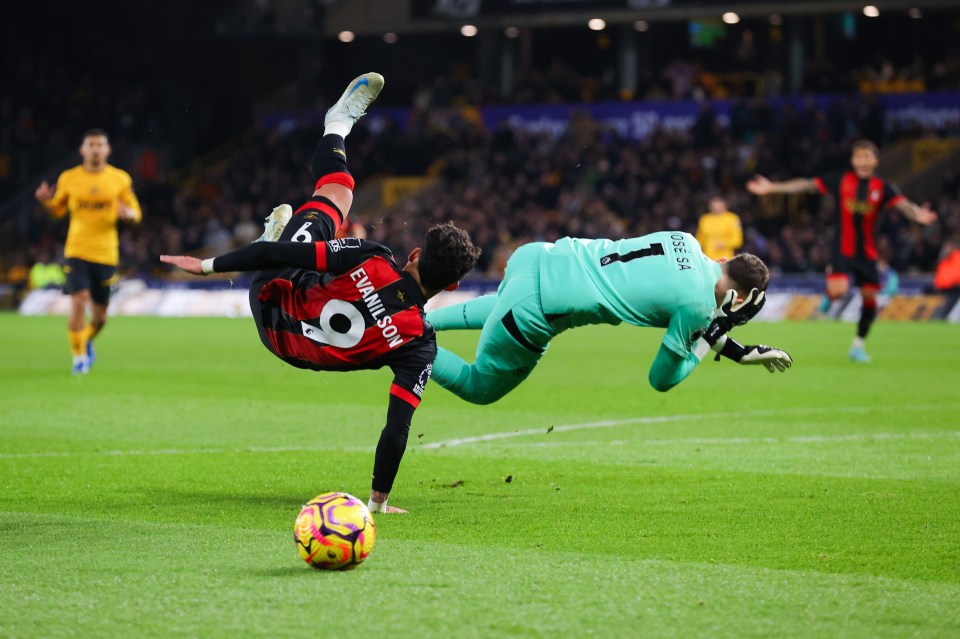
column 156, row 496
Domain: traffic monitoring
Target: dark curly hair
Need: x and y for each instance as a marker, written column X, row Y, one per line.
column 747, row 272
column 447, row 255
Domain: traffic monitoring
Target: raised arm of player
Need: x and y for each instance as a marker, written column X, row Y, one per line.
column 253, row 257
column 54, row 199
column 760, row 185
column 915, row 213
column 335, row 256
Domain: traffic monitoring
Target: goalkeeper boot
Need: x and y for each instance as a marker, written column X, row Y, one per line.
column 352, row 105
column 275, row 223
column 859, row 355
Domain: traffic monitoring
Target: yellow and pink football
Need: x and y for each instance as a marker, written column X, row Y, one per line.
column 334, row 531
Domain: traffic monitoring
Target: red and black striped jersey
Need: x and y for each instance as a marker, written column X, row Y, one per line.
column 355, row 309
column 859, row 202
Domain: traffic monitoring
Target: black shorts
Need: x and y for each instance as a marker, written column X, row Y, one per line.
column 89, row 276
column 860, row 270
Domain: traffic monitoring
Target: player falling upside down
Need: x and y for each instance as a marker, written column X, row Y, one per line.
column 860, row 195
column 340, row 305
column 660, row 280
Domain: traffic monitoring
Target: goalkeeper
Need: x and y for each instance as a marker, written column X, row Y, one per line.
column 661, row 280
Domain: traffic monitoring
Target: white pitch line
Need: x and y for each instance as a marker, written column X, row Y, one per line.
column 462, row 441
column 801, row 439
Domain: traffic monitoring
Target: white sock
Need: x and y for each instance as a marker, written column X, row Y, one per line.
column 859, row 342
column 341, row 128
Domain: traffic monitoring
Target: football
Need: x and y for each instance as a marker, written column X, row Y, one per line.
column 334, row 531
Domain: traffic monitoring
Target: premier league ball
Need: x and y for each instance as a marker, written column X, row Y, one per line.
column 334, row 531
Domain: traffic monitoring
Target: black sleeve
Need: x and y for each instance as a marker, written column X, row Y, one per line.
column 335, row 256
column 411, row 373
column 392, row 444
column 891, row 194
column 265, row 255
column 339, row 256
column 829, row 183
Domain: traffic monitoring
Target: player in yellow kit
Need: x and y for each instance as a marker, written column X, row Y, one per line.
column 96, row 195
column 719, row 231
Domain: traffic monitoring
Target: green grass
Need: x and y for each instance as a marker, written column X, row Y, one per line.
column 156, row 496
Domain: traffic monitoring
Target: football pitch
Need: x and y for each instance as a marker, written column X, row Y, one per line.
column 156, row 496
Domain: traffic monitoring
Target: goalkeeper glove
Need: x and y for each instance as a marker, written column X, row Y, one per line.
column 774, row 359
column 732, row 313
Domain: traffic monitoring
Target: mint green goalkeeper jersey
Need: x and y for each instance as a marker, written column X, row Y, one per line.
column 660, row 280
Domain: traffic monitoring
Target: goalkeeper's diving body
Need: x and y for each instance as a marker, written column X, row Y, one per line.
column 328, row 304
column 660, row 280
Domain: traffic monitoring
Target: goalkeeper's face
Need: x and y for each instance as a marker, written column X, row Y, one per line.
column 95, row 150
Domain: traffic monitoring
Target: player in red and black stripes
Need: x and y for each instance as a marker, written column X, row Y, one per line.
column 330, row 304
column 860, row 196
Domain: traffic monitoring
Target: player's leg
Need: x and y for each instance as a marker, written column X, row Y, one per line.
column 104, row 277
column 514, row 338
column 76, row 331
column 98, row 318
column 77, row 286
column 320, row 217
column 868, row 279
column 838, row 285
column 466, row 316
column 334, row 183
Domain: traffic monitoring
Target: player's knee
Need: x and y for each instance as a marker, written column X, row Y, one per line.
column 482, row 396
column 659, row 384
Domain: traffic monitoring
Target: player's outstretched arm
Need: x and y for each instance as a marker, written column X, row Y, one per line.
column 184, row 263
column 760, row 185
column 253, row 257
column 915, row 213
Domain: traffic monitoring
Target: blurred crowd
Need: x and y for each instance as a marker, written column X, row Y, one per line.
column 508, row 187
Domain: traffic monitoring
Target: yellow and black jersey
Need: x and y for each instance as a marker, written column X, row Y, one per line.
column 92, row 199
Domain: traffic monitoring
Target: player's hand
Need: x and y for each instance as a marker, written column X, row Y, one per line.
column 184, row 262
column 760, row 185
column 925, row 215
column 378, row 504
column 734, row 313
column 773, row 358
column 393, row 510
column 126, row 213
column 44, row 192
column 739, row 312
